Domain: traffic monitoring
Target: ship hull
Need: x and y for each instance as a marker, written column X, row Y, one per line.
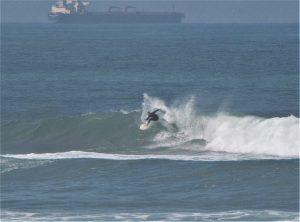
column 121, row 18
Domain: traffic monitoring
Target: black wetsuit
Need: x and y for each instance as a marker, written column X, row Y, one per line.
column 152, row 116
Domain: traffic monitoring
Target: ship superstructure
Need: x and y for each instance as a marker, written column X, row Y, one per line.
column 74, row 11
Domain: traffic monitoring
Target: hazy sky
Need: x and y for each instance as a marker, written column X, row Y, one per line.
column 207, row 11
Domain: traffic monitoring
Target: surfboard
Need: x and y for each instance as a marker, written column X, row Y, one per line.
column 144, row 126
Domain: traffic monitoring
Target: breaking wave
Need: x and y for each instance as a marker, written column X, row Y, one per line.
column 224, row 132
column 181, row 130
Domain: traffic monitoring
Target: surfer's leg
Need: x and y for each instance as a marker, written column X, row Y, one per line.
column 149, row 120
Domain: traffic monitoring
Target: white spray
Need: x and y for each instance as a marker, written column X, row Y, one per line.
column 223, row 132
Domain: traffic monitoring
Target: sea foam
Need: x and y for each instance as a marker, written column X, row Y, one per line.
column 240, row 215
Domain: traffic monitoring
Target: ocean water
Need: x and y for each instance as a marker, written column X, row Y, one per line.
column 225, row 148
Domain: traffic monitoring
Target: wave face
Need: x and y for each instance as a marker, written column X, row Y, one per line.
column 181, row 129
column 107, row 131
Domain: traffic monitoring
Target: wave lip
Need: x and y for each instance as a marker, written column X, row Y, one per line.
column 115, row 156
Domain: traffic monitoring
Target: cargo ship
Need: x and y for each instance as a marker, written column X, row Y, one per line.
column 75, row 12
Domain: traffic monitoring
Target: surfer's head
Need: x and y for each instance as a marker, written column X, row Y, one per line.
column 148, row 113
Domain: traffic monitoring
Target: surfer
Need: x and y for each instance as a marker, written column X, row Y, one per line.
column 152, row 116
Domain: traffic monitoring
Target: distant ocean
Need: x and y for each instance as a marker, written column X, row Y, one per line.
column 73, row 97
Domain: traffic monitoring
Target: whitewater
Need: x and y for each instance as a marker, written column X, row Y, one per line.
column 227, row 133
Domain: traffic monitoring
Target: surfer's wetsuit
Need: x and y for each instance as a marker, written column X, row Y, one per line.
column 152, row 116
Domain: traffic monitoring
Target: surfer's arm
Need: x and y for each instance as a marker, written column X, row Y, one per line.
column 155, row 111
